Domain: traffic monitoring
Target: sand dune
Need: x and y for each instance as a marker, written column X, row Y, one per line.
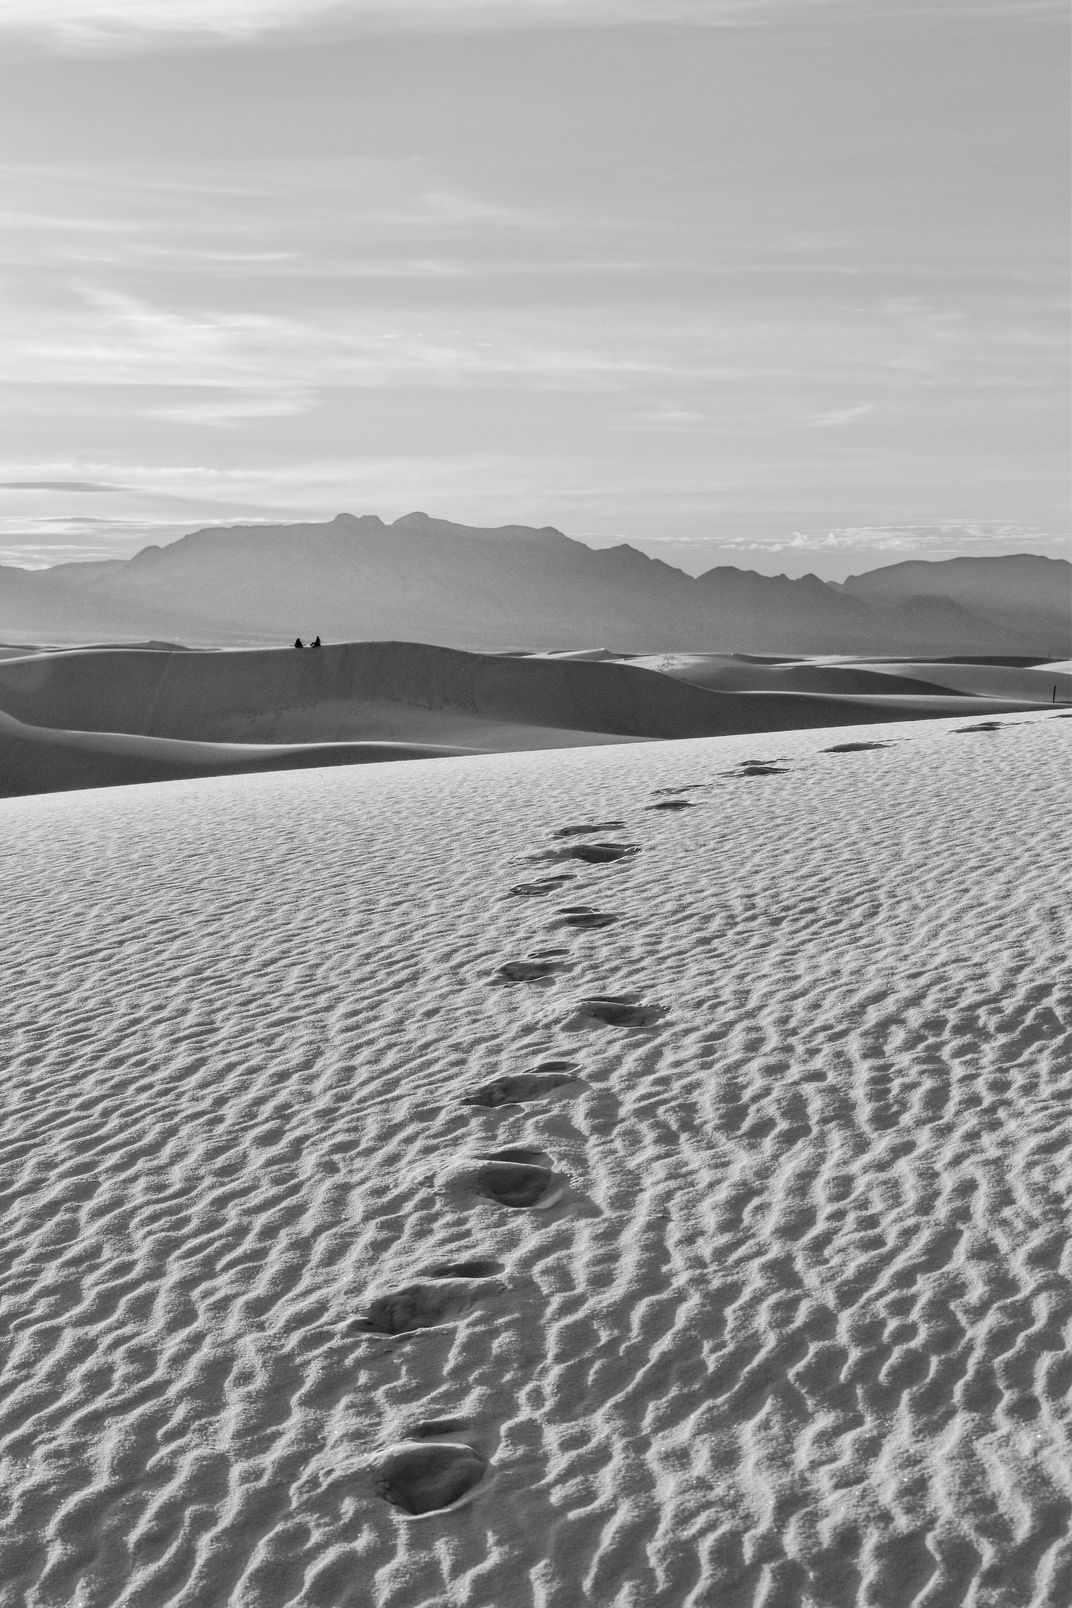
column 377, row 1236
column 39, row 759
column 1038, row 682
column 729, row 672
column 416, row 694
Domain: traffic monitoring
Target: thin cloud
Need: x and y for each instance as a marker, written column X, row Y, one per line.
column 826, row 421
column 232, row 408
column 125, row 23
column 950, row 535
column 59, row 485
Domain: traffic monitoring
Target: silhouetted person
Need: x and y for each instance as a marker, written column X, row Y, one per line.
column 315, row 643
column 298, row 643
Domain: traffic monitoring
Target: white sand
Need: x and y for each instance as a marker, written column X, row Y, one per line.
column 87, row 718
column 787, row 1319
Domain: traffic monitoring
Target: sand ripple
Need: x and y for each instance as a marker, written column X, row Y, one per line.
column 792, row 1325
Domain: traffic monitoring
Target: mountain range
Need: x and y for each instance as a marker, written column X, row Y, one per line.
column 429, row 580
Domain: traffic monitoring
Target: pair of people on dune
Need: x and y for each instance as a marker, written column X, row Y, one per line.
column 315, row 643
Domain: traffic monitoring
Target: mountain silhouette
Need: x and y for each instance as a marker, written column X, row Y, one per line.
column 1025, row 593
column 430, row 580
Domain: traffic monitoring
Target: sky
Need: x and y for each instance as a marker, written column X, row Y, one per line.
column 776, row 283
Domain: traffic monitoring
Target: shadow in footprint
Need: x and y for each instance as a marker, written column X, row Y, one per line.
column 543, row 885
column 436, row 1428
column 672, row 804
column 478, row 1267
column 687, row 787
column 854, row 748
column 597, row 826
column 759, row 767
column 601, row 853
column 425, row 1305
column 984, row 725
column 420, row 1478
column 615, row 1010
column 518, row 1178
column 522, row 1086
column 584, row 916
column 527, row 971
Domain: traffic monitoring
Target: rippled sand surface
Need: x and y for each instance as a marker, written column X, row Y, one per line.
column 635, row 1175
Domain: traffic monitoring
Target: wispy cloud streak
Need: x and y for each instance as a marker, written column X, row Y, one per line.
column 119, row 23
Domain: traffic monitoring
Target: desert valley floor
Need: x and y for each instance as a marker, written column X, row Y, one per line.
column 630, row 1175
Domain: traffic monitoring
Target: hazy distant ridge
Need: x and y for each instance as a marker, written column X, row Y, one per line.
column 423, row 579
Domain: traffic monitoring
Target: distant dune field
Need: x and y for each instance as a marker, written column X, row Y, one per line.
column 91, row 717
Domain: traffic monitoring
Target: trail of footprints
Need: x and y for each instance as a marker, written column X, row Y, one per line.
column 432, row 1471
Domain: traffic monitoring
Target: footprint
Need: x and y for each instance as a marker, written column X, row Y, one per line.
column 672, row 804
column 601, row 853
column 479, row 1267
column 617, row 1011
column 854, row 748
column 984, row 725
column 424, row 1305
column 598, row 826
column 759, row 767
column 421, row 1478
column 521, row 1086
column 518, row 1178
column 687, row 787
column 534, row 890
column 526, row 971
column 436, row 1428
column 584, row 916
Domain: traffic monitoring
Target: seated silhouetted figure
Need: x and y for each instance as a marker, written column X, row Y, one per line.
column 298, row 643
column 315, row 643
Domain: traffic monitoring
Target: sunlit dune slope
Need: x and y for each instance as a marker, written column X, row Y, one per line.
column 623, row 1176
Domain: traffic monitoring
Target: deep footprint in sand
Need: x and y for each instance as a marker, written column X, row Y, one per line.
column 984, row 725
column 584, row 916
column 543, row 885
column 427, row 1305
column 597, row 826
column 760, row 767
column 854, row 748
column 601, row 853
column 518, row 1178
column 614, row 1010
column 535, row 970
column 672, row 804
column 440, row 1429
column 686, row 787
column 477, row 1267
column 519, row 1087
column 421, row 1478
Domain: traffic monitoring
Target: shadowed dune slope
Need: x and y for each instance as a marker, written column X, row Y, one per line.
column 376, row 1237
column 412, row 692
column 39, row 759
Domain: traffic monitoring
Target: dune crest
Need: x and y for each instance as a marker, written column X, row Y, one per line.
column 155, row 713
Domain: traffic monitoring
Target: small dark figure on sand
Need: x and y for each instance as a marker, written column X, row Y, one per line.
column 298, row 643
column 315, row 643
